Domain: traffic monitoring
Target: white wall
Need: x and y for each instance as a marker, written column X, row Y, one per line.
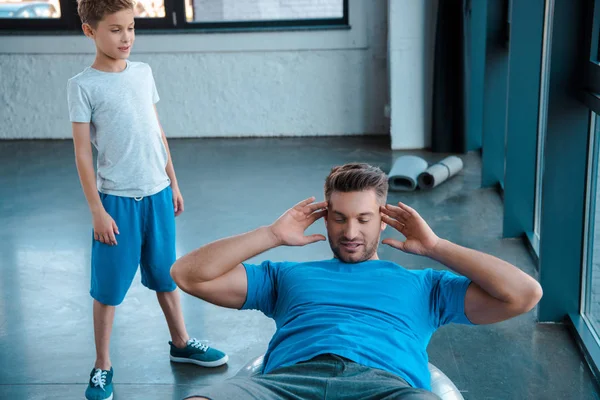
column 331, row 82
column 411, row 56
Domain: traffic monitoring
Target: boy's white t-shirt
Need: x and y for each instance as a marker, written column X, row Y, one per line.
column 123, row 127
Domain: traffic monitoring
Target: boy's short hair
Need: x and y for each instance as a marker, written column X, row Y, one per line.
column 357, row 177
column 93, row 11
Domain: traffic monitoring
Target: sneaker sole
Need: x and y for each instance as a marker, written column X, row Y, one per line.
column 108, row 398
column 217, row 363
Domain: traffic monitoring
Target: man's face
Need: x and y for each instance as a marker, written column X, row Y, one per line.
column 354, row 225
column 114, row 35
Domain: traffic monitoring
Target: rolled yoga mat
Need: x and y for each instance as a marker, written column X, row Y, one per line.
column 405, row 172
column 440, row 172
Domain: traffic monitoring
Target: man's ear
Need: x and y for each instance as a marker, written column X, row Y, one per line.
column 88, row 30
column 383, row 224
column 325, row 219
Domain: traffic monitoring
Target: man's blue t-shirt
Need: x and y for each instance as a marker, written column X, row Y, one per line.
column 375, row 313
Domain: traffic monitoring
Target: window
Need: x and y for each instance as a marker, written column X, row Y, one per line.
column 591, row 278
column 61, row 15
column 150, row 9
column 219, row 11
column 29, row 9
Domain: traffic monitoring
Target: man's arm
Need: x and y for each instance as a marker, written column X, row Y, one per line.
column 498, row 291
column 215, row 273
column 104, row 226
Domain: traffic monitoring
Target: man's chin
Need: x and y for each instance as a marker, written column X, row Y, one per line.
column 352, row 258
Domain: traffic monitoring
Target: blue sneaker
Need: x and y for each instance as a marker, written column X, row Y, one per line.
column 100, row 387
column 197, row 353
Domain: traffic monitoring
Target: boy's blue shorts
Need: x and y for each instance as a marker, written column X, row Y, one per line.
column 146, row 238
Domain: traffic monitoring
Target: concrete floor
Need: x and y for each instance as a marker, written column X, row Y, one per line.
column 231, row 186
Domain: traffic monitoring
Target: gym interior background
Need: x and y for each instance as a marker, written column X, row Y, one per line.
column 260, row 98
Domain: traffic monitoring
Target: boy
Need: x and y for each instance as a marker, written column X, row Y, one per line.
column 135, row 197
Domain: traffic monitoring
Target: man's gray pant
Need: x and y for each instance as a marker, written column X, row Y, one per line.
column 326, row 377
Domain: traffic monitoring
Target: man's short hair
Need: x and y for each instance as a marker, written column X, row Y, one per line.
column 93, row 11
column 357, row 177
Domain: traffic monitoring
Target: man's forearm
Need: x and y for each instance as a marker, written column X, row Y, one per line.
column 498, row 278
column 219, row 257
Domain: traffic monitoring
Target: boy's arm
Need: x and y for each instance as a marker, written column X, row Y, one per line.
column 177, row 198
column 104, row 226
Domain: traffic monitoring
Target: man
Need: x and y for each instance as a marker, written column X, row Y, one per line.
column 352, row 327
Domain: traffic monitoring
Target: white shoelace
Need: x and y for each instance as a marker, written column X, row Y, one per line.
column 196, row 344
column 99, row 378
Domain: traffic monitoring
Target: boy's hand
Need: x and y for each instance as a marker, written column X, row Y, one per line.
column 177, row 201
column 105, row 228
column 289, row 228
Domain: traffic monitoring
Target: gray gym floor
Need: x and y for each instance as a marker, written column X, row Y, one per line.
column 232, row 186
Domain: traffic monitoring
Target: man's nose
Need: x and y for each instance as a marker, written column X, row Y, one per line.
column 351, row 231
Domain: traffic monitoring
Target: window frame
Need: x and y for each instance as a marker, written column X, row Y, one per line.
column 174, row 21
column 584, row 331
column 68, row 21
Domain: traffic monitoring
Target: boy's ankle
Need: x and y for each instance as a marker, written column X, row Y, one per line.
column 179, row 344
column 103, row 365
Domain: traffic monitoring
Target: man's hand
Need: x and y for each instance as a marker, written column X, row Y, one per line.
column 420, row 239
column 177, row 201
column 289, row 229
column 105, row 228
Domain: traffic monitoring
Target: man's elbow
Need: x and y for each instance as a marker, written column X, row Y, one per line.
column 179, row 275
column 530, row 297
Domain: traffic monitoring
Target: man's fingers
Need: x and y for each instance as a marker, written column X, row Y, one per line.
column 316, row 206
column 394, row 243
column 313, row 238
column 305, row 202
column 406, row 208
column 316, row 215
column 399, row 226
column 395, row 212
column 115, row 227
column 96, row 236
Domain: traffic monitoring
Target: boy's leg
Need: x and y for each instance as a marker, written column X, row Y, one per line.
column 113, row 270
column 158, row 255
column 171, row 306
column 114, row 267
column 103, row 321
